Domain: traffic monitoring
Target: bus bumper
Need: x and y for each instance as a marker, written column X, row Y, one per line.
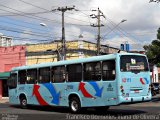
column 134, row 99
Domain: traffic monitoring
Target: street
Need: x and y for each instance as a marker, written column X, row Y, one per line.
column 147, row 110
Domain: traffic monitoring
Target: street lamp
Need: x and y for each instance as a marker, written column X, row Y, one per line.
column 122, row 21
column 45, row 25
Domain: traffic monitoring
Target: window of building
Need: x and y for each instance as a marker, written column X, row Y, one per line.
column 74, row 73
column 58, row 74
column 92, row 71
column 12, row 82
column 108, row 70
column 22, row 77
column 44, row 75
column 31, row 76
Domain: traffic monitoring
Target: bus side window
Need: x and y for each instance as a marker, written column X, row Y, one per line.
column 22, row 76
column 31, row 76
column 12, row 81
column 74, row 73
column 44, row 75
column 108, row 70
column 58, row 74
column 92, row 71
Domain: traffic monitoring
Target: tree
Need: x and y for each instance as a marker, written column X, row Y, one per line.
column 155, row 1
column 153, row 50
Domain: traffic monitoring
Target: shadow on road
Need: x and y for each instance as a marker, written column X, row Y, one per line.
column 87, row 111
column 156, row 99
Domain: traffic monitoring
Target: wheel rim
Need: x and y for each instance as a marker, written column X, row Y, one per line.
column 74, row 106
column 24, row 102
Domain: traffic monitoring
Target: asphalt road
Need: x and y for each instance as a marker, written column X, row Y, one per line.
column 148, row 110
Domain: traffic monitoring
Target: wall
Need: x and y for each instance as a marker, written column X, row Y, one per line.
column 154, row 73
column 40, row 53
column 11, row 57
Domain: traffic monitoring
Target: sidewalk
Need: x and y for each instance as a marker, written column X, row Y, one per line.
column 4, row 100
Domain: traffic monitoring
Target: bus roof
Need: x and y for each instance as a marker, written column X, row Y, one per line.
column 75, row 61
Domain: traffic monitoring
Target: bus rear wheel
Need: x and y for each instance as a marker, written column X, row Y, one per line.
column 74, row 105
column 23, row 102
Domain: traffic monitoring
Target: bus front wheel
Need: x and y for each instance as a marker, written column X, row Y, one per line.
column 74, row 105
column 23, row 102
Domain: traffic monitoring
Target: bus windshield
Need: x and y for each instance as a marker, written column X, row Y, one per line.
column 130, row 63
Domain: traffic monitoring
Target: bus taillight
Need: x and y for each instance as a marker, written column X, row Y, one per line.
column 122, row 90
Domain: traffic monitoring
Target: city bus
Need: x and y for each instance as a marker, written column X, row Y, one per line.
column 99, row 82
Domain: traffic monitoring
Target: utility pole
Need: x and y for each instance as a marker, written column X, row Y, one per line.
column 63, row 10
column 99, row 25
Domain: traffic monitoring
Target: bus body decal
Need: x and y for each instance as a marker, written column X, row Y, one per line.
column 144, row 80
column 97, row 89
column 147, row 81
column 53, row 92
column 83, row 90
column 141, row 80
column 37, row 95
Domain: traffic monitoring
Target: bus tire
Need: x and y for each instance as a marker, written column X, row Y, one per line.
column 23, row 102
column 74, row 105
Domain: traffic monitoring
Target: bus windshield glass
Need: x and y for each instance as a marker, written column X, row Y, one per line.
column 130, row 63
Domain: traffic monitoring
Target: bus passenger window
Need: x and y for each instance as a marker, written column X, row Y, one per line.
column 12, row 81
column 92, row 71
column 31, row 76
column 44, row 75
column 108, row 70
column 22, row 77
column 74, row 73
column 58, row 74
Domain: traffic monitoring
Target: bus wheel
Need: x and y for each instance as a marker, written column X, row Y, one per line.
column 23, row 102
column 74, row 105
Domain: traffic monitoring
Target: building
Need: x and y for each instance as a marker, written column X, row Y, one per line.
column 10, row 57
column 154, row 73
column 5, row 41
column 14, row 56
column 50, row 52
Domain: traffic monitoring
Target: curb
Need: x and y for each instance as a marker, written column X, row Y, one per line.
column 4, row 100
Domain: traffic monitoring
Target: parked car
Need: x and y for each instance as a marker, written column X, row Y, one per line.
column 155, row 88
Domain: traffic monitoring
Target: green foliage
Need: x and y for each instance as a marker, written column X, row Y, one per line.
column 153, row 50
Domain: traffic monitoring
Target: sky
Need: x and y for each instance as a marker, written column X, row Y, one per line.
column 21, row 20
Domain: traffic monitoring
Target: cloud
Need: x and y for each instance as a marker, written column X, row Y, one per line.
column 142, row 17
column 117, row 41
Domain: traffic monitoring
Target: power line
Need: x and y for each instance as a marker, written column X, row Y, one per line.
column 22, row 25
column 34, row 16
column 21, row 21
column 37, row 17
column 1, row 15
column 55, row 13
column 120, row 29
column 28, row 33
column 48, row 10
